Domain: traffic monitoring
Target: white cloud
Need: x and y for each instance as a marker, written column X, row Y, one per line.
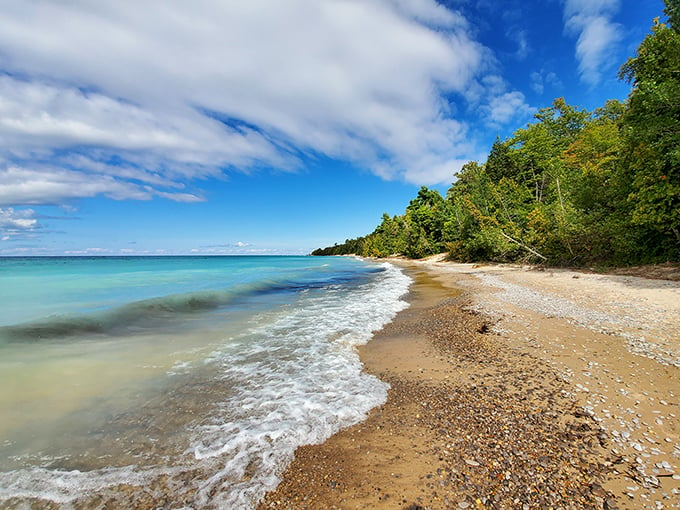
column 442, row 173
column 23, row 251
column 17, row 223
column 597, row 35
column 49, row 185
column 17, row 219
column 89, row 251
column 430, row 13
column 183, row 90
column 503, row 106
column 37, row 116
column 508, row 107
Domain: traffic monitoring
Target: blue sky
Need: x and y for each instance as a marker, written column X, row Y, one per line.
column 272, row 126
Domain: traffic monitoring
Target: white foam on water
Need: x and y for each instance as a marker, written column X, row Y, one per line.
column 62, row 487
column 299, row 383
column 296, row 379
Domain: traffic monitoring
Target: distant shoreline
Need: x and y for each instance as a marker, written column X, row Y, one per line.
column 662, row 271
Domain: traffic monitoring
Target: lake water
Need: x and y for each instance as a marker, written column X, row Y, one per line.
column 179, row 381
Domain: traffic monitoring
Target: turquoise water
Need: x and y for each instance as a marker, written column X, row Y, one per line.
column 141, row 380
column 46, row 288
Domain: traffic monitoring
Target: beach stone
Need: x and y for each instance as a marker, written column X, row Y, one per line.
column 610, row 504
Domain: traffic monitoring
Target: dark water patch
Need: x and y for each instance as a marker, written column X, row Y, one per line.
column 129, row 318
column 156, row 313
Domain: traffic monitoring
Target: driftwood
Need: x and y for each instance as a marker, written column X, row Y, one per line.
column 523, row 245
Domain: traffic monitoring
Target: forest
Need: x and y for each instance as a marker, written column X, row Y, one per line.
column 572, row 188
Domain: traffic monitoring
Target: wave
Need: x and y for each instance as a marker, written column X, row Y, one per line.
column 156, row 312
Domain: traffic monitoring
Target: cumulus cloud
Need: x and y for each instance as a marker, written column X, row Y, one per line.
column 501, row 105
column 133, row 100
column 597, row 35
column 508, row 107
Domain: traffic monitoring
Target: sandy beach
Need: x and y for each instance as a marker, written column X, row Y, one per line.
column 511, row 387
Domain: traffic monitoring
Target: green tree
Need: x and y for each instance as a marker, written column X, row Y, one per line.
column 538, row 146
column 473, row 231
column 652, row 129
column 500, row 163
column 389, row 238
column 598, row 185
column 425, row 217
column 672, row 10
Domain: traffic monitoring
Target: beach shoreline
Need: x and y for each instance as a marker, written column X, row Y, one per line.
column 511, row 388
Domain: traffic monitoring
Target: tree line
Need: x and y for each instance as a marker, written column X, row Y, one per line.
column 571, row 188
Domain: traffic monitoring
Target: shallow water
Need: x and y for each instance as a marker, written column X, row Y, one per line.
column 191, row 380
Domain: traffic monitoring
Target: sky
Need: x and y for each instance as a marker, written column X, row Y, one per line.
column 272, row 126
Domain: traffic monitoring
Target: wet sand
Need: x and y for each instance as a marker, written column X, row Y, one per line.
column 511, row 388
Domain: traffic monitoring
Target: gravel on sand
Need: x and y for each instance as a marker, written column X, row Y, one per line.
column 500, row 404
